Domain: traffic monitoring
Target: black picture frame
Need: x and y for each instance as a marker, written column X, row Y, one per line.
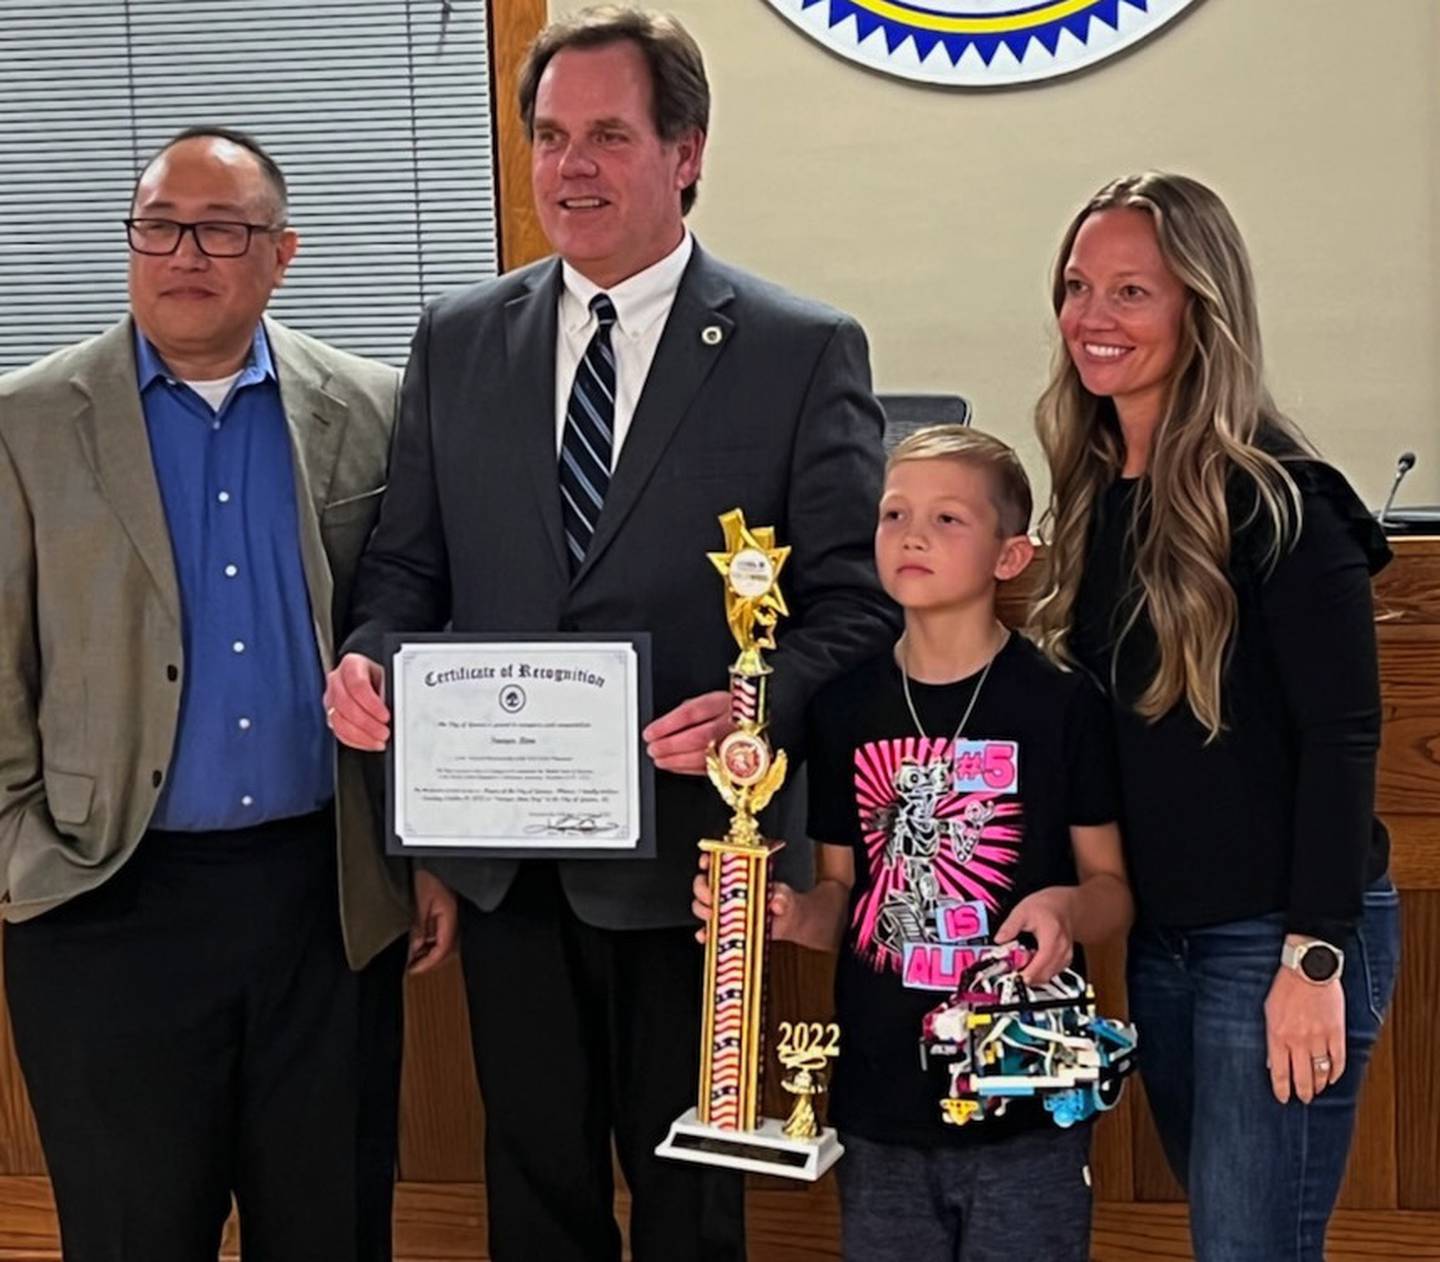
column 645, row 846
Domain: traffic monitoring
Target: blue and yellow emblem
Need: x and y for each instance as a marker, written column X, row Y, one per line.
column 978, row 43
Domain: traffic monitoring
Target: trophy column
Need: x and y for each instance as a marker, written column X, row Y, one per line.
column 730, row 1053
column 725, row 1126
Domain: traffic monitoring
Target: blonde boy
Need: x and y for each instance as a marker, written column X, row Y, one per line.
column 960, row 766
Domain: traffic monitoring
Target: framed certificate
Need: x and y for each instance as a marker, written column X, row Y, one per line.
column 519, row 747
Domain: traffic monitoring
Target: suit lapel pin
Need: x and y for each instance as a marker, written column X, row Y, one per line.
column 712, row 335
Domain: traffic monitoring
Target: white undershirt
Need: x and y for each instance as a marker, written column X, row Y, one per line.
column 642, row 305
column 214, row 392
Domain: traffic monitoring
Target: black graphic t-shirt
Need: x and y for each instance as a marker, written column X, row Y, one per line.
column 985, row 819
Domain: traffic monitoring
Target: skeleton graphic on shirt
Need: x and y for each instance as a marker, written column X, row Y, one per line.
column 926, row 843
column 916, row 838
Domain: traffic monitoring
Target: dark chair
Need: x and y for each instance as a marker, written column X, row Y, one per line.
column 905, row 413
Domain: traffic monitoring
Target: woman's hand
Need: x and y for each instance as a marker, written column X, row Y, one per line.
column 1048, row 915
column 1304, row 1035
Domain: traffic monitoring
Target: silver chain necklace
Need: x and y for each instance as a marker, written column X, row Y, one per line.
column 974, row 696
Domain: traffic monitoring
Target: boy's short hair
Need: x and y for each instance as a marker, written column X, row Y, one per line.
column 1009, row 487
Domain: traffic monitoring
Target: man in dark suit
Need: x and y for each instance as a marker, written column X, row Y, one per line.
column 569, row 435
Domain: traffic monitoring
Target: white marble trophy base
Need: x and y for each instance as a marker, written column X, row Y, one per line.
column 765, row 1151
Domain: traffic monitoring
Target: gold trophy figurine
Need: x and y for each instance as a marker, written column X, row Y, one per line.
column 725, row 1127
column 806, row 1050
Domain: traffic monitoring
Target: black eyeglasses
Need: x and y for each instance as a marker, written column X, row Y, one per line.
column 216, row 238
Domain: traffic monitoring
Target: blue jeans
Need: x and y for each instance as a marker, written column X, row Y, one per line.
column 1262, row 1176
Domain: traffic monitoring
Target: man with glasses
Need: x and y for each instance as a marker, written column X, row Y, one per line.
column 183, row 500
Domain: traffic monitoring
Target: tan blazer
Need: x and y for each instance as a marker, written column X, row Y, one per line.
column 90, row 647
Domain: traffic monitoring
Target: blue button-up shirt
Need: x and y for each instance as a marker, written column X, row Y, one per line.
column 251, row 744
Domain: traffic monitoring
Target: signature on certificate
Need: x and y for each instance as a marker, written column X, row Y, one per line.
column 574, row 822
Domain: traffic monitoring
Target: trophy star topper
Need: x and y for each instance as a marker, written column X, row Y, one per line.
column 751, row 565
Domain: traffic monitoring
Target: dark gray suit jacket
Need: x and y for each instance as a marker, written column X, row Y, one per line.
column 777, row 417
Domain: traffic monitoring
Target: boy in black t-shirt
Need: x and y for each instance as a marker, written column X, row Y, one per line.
column 962, row 767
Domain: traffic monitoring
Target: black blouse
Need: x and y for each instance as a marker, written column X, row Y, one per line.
column 1277, row 813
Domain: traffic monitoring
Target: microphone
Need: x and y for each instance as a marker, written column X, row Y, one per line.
column 1402, row 467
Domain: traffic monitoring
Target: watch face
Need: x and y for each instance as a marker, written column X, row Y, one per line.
column 1319, row 963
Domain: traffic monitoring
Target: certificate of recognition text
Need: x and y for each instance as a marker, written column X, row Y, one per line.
column 517, row 746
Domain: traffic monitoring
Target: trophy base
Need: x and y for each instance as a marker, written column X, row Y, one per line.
column 765, row 1151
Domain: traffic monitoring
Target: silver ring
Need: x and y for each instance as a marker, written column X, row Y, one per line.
column 330, row 714
column 1321, row 1064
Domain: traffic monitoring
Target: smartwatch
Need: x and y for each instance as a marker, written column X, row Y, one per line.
column 1317, row 962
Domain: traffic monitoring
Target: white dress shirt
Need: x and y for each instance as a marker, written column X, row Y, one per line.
column 642, row 305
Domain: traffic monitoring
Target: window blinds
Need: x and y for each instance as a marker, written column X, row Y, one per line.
column 378, row 111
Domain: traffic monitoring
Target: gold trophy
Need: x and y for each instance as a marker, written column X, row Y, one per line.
column 725, row 1128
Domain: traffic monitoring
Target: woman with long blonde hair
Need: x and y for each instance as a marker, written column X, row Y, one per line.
column 1213, row 575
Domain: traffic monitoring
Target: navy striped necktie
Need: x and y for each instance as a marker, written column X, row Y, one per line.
column 587, row 444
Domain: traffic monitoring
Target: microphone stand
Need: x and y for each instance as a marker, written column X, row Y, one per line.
column 1402, row 467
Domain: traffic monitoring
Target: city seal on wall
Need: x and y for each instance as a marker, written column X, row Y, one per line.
column 978, row 43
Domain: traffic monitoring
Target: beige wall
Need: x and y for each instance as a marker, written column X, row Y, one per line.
column 932, row 214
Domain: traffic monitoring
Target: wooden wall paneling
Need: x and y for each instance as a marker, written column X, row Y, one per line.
column 1414, row 849
column 513, row 25
column 1139, row 1232
column 440, row 1222
column 793, row 1222
column 442, row 1124
column 27, row 1219
column 1416, row 1022
column 1382, row 1236
column 1112, row 1157
column 787, row 1222
column 1408, row 796
column 1153, row 1180
column 1408, row 781
column 1372, row 1176
column 20, row 1151
column 1408, row 589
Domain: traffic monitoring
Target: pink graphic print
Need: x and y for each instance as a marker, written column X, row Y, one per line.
column 925, row 841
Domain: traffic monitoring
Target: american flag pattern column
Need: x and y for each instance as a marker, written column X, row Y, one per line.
column 729, row 1096
column 747, row 698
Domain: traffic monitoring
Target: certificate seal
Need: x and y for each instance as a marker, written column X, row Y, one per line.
column 745, row 757
column 978, row 43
